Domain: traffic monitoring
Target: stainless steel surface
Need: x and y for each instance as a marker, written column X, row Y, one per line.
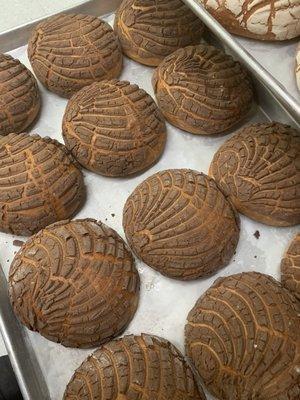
column 18, row 36
column 19, row 348
column 289, row 102
column 164, row 303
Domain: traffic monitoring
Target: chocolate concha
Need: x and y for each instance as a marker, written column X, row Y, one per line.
column 70, row 51
column 114, row 128
column 202, row 90
column 259, row 168
column 290, row 267
column 149, row 30
column 264, row 20
column 244, row 340
column 180, row 223
column 134, row 367
column 19, row 96
column 75, row 283
column 40, row 183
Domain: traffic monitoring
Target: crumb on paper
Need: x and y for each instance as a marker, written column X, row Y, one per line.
column 255, row 256
column 18, row 243
column 112, row 214
column 256, row 234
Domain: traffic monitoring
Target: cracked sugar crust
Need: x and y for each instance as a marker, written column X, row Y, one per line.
column 298, row 66
column 202, row 90
column 149, row 30
column 259, row 169
column 70, row 51
column 40, row 183
column 19, row 96
column 75, row 283
column 243, row 338
column 135, row 367
column 114, row 128
column 258, row 19
column 180, row 223
column 290, row 267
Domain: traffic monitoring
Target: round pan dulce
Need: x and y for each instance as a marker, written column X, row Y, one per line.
column 180, row 223
column 136, row 367
column 149, row 30
column 75, row 283
column 259, row 169
column 202, row 90
column 70, row 51
column 243, row 338
column 271, row 20
column 40, row 183
column 19, row 96
column 114, row 128
column 290, row 267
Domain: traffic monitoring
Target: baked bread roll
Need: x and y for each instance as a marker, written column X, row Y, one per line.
column 290, row 267
column 19, row 96
column 264, row 20
column 259, row 168
column 114, row 128
column 202, row 90
column 75, row 283
column 136, row 367
column 149, row 30
column 70, row 51
column 298, row 67
column 179, row 222
column 40, row 183
column 243, row 338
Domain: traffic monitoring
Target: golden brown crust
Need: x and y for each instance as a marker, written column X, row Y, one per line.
column 70, row 51
column 75, row 283
column 259, row 168
column 149, row 30
column 114, row 128
column 19, row 96
column 290, row 267
column 243, row 338
column 180, row 223
column 202, row 90
column 272, row 20
column 134, row 367
column 40, row 183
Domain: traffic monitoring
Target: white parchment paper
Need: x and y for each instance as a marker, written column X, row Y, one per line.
column 164, row 303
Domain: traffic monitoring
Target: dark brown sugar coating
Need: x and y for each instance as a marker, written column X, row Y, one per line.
column 75, row 283
column 19, row 96
column 135, row 367
column 114, row 128
column 243, row 337
column 40, row 183
column 259, row 168
column 149, row 30
column 290, row 267
column 179, row 222
column 70, row 51
column 202, row 90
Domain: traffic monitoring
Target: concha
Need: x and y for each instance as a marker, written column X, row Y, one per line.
column 259, row 169
column 244, row 340
column 180, row 223
column 19, row 96
column 70, row 51
column 290, row 267
column 202, row 90
column 263, row 20
column 40, row 183
column 114, row 128
column 149, row 30
column 134, row 367
column 75, row 283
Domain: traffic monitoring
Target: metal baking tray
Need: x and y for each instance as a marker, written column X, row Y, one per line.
column 272, row 63
column 43, row 368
